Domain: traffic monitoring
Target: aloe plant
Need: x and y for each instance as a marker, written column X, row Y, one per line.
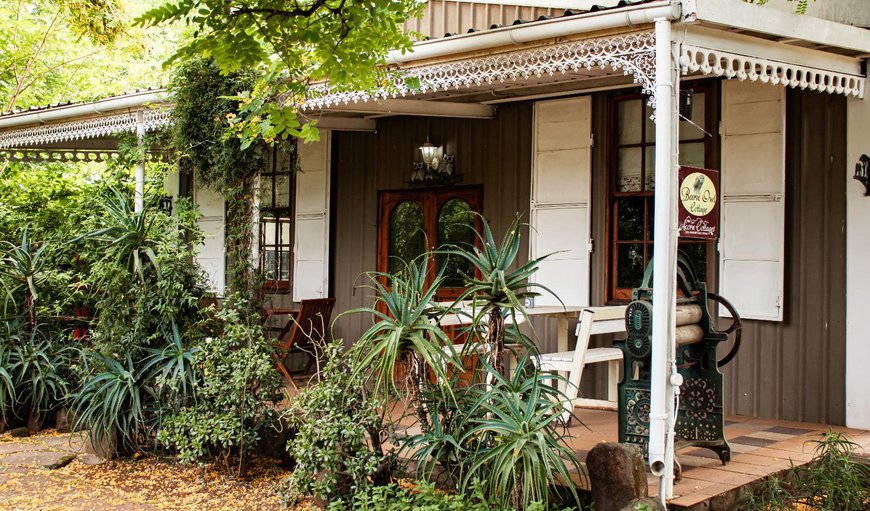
column 523, row 454
column 7, row 384
column 173, row 367
column 22, row 269
column 126, row 234
column 110, row 405
column 498, row 286
column 404, row 333
column 36, row 367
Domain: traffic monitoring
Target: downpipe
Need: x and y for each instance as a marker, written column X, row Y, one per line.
column 664, row 378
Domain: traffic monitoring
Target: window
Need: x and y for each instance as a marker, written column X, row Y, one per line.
column 632, row 187
column 276, row 225
column 410, row 219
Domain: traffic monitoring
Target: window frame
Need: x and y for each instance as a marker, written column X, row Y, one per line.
column 614, row 294
column 277, row 216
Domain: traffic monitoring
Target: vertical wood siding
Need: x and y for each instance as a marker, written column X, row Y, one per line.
column 494, row 153
column 793, row 370
column 441, row 17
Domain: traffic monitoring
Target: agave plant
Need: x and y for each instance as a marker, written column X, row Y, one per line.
column 523, row 453
column 173, row 367
column 110, row 405
column 36, row 366
column 126, row 234
column 7, row 384
column 21, row 269
column 496, row 290
column 404, row 334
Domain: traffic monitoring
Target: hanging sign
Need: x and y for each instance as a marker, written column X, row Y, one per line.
column 698, row 203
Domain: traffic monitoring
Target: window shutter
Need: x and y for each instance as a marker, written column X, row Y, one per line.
column 311, row 247
column 752, row 243
column 211, row 255
column 561, row 182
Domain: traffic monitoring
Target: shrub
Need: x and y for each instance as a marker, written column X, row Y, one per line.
column 416, row 496
column 235, row 395
column 341, row 429
column 832, row 481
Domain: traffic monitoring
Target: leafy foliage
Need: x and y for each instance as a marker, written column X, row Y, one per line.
column 61, row 50
column 417, row 496
column 340, row 430
column 203, row 109
column 292, row 45
column 237, row 389
column 833, row 480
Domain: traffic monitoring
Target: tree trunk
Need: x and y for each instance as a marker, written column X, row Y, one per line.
column 495, row 340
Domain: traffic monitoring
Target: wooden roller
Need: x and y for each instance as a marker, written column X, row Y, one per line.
column 689, row 314
column 689, row 334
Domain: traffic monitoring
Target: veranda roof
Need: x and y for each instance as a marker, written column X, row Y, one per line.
column 465, row 75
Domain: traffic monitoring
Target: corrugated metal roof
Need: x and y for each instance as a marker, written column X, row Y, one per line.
column 566, row 14
column 69, row 103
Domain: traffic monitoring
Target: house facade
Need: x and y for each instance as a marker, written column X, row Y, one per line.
column 552, row 114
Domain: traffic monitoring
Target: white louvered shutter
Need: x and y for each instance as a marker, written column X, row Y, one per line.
column 311, row 250
column 211, row 255
column 752, row 242
column 561, row 182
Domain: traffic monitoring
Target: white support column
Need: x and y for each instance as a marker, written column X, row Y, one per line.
column 139, row 200
column 661, row 439
column 857, row 269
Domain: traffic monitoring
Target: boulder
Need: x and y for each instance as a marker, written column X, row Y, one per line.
column 618, row 475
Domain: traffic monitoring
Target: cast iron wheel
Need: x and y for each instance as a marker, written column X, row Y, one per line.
column 736, row 328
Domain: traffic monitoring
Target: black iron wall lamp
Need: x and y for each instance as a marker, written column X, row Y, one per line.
column 862, row 168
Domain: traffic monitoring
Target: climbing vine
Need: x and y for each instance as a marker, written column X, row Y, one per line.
column 204, row 107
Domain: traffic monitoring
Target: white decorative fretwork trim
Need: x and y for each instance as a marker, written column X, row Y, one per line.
column 632, row 53
column 89, row 128
column 732, row 65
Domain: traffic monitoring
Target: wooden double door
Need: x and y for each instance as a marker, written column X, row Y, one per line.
column 413, row 223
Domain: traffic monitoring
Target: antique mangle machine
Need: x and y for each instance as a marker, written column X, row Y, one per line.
column 700, row 417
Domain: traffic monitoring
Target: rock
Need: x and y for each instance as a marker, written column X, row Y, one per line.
column 90, row 459
column 63, row 421
column 13, row 447
column 45, row 459
column 19, row 432
column 104, row 448
column 647, row 504
column 617, row 474
column 34, row 423
column 71, row 443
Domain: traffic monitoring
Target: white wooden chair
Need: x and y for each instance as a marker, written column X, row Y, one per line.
column 593, row 320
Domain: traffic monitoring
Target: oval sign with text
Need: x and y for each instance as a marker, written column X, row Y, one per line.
column 698, row 199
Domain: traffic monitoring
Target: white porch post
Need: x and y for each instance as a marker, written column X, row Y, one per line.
column 857, row 269
column 139, row 199
column 664, row 375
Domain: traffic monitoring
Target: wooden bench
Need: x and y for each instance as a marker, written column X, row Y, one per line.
column 593, row 321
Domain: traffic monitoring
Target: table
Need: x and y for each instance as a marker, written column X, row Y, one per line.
column 562, row 314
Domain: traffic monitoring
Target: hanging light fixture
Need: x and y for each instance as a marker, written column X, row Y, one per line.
column 429, row 151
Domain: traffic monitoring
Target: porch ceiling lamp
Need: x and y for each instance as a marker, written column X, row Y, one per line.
column 429, row 153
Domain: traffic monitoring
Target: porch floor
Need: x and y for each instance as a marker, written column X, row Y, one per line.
column 760, row 448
